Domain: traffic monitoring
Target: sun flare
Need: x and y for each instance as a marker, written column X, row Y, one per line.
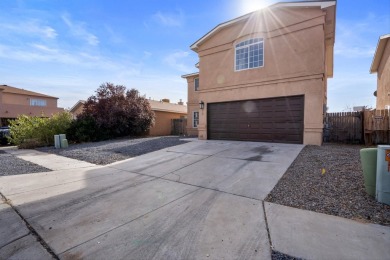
column 248, row 6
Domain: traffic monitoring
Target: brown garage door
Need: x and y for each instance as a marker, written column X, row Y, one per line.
column 264, row 120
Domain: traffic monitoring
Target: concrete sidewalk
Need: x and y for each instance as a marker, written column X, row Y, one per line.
column 310, row 235
column 49, row 161
column 201, row 200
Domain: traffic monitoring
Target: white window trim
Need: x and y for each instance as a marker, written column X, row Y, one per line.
column 193, row 119
column 235, row 60
column 195, row 85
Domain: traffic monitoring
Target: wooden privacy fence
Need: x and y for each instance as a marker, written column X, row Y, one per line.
column 369, row 127
column 346, row 127
column 376, row 127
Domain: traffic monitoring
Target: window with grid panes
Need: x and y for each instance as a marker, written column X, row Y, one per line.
column 249, row 54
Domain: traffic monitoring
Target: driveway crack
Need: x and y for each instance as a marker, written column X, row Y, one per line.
column 267, row 227
column 33, row 232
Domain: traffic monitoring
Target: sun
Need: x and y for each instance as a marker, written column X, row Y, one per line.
column 248, row 6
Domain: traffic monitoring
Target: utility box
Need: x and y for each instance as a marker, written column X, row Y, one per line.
column 60, row 141
column 368, row 157
column 57, row 142
column 382, row 193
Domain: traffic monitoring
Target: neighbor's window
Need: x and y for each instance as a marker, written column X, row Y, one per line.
column 196, row 119
column 37, row 102
column 250, row 54
column 196, row 84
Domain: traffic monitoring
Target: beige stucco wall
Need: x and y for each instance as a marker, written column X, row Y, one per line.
column 294, row 64
column 163, row 123
column 14, row 105
column 17, row 99
column 192, row 104
column 383, row 80
column 78, row 110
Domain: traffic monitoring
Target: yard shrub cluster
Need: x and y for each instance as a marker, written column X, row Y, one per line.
column 112, row 112
column 33, row 131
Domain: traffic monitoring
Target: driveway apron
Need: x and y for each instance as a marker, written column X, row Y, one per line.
column 200, row 200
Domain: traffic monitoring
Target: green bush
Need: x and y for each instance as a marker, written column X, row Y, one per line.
column 33, row 131
column 85, row 129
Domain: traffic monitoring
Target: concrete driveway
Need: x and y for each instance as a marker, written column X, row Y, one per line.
column 199, row 200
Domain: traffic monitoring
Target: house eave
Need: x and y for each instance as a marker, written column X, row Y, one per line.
column 321, row 4
column 190, row 75
column 75, row 106
column 380, row 48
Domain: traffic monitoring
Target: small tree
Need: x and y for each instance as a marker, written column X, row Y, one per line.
column 113, row 111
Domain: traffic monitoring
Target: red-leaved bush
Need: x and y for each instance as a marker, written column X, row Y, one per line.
column 113, row 112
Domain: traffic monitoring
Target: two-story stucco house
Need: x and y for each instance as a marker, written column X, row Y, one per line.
column 15, row 102
column 381, row 66
column 263, row 76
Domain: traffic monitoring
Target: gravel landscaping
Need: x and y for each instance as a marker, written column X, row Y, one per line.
column 275, row 255
column 107, row 152
column 329, row 179
column 11, row 165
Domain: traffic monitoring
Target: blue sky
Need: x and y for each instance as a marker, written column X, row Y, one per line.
column 68, row 48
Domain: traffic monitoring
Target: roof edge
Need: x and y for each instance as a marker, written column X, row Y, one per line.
column 77, row 103
column 380, row 48
column 169, row 111
column 194, row 46
column 189, row 75
column 23, row 92
column 322, row 4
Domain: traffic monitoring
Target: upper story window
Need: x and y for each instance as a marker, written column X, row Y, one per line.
column 250, row 54
column 196, row 84
column 37, row 102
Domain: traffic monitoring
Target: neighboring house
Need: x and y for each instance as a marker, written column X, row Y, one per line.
column 15, row 102
column 164, row 113
column 263, row 76
column 381, row 66
column 77, row 108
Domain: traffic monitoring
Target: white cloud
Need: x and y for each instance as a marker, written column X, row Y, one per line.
column 344, row 50
column 44, row 48
column 357, row 39
column 114, row 36
column 171, row 20
column 42, row 53
column 78, row 30
column 177, row 60
column 147, row 54
column 29, row 28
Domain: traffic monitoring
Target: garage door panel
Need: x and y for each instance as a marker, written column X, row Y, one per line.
column 288, row 114
column 267, row 120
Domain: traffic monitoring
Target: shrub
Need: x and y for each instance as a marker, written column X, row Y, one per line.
column 112, row 112
column 85, row 129
column 33, row 131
